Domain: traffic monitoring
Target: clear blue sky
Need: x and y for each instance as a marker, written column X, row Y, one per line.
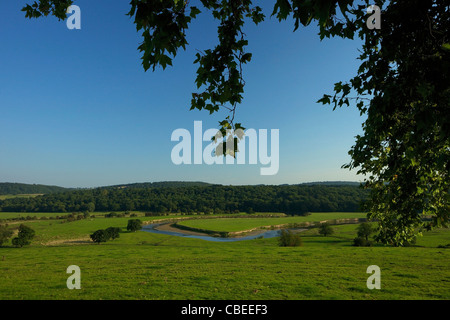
column 78, row 110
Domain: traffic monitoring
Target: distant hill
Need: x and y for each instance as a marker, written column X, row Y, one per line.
column 183, row 184
column 161, row 184
column 196, row 197
column 23, row 188
column 8, row 188
column 332, row 183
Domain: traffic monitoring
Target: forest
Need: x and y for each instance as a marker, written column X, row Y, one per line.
column 207, row 199
column 22, row 188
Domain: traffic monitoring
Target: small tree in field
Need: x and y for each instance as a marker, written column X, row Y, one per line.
column 99, row 236
column 325, row 229
column 364, row 231
column 26, row 234
column 134, row 225
column 289, row 239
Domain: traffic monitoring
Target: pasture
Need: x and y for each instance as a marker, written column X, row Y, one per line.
column 142, row 265
column 233, row 225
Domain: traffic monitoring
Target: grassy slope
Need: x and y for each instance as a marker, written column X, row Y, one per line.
column 143, row 265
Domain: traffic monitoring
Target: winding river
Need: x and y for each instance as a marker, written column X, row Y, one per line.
column 266, row 234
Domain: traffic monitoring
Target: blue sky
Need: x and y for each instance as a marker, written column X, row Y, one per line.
column 78, row 110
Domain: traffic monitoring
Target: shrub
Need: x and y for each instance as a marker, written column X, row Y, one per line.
column 99, row 236
column 113, row 232
column 364, row 230
column 289, row 239
column 325, row 229
column 361, row 242
column 111, row 215
column 134, row 225
column 26, row 234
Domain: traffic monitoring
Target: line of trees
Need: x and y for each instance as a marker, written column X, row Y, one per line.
column 213, row 199
column 111, row 233
column 104, row 235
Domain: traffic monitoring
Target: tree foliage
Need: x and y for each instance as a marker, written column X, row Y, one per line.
column 290, row 199
column 288, row 238
column 22, row 188
column 364, row 231
column 404, row 152
column 5, row 233
column 104, row 235
column 100, row 236
column 113, row 232
column 24, row 237
column 402, row 86
column 134, row 225
column 326, row 229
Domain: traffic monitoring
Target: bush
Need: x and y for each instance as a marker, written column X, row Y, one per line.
column 113, row 232
column 26, row 234
column 99, row 236
column 325, row 229
column 364, row 231
column 289, row 239
column 18, row 242
column 134, row 225
column 361, row 242
column 111, row 215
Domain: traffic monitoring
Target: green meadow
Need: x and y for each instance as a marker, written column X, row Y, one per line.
column 232, row 225
column 143, row 265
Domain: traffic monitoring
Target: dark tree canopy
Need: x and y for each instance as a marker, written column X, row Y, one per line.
column 290, row 199
column 113, row 232
column 22, row 188
column 402, row 86
column 134, row 225
column 24, row 237
column 100, row 236
column 326, row 229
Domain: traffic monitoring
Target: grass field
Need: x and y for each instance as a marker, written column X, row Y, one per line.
column 232, row 225
column 143, row 265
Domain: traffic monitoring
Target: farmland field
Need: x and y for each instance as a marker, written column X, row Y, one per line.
column 142, row 265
